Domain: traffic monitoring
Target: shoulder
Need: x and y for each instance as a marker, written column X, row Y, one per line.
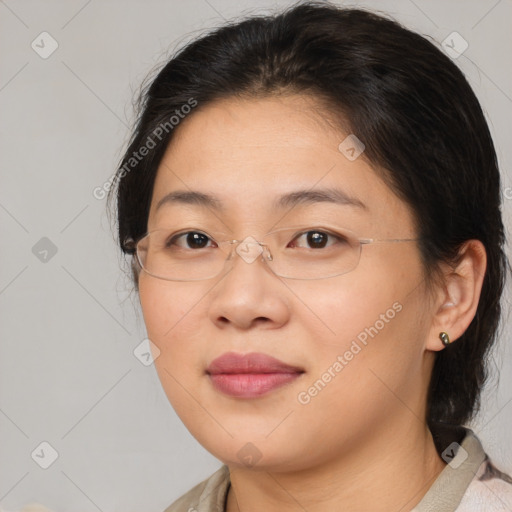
column 470, row 482
column 489, row 490
column 207, row 496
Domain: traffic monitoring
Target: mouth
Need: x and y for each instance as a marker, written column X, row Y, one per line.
column 250, row 375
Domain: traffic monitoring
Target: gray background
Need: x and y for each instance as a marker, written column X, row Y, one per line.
column 69, row 325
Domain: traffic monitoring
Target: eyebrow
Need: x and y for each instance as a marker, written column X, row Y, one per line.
column 289, row 200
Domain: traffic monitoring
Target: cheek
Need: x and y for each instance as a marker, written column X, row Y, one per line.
column 164, row 305
column 171, row 314
column 169, row 310
column 372, row 318
column 345, row 308
column 362, row 371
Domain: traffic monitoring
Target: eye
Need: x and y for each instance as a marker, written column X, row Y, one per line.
column 318, row 239
column 194, row 240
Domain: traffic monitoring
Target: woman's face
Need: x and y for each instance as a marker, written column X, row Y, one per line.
column 355, row 344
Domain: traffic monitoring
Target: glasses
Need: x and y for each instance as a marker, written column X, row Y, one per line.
column 292, row 253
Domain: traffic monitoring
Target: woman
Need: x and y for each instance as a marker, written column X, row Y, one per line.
column 312, row 205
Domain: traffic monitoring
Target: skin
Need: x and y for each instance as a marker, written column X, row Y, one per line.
column 362, row 443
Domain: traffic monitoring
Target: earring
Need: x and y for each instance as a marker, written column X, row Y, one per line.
column 444, row 338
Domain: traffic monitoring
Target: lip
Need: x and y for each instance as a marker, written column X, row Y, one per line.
column 250, row 375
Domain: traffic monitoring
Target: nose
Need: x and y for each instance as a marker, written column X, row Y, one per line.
column 248, row 292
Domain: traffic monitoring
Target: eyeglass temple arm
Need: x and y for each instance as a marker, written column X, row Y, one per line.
column 372, row 240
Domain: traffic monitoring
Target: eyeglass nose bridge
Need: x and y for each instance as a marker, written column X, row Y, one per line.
column 249, row 249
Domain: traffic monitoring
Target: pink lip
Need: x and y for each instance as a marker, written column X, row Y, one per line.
column 250, row 375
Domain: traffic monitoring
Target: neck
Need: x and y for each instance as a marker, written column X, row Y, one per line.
column 392, row 470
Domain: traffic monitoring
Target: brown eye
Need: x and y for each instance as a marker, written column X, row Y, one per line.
column 193, row 240
column 317, row 239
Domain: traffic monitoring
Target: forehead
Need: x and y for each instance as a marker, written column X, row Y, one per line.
column 249, row 152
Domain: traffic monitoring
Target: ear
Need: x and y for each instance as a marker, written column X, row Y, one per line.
column 457, row 299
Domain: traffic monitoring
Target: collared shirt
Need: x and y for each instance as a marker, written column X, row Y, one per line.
column 468, row 483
